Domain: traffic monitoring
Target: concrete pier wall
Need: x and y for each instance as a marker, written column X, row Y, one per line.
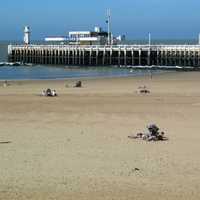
column 125, row 55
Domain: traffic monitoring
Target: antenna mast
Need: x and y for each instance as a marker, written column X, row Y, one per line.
column 149, row 40
column 199, row 38
column 109, row 26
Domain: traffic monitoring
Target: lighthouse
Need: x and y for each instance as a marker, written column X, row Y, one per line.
column 27, row 35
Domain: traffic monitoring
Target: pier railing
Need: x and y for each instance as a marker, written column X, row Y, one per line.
column 105, row 46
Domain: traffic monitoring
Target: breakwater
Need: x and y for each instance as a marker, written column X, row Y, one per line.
column 121, row 55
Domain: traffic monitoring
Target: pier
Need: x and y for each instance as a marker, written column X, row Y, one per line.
column 107, row 55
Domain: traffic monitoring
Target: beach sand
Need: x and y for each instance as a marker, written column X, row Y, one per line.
column 76, row 145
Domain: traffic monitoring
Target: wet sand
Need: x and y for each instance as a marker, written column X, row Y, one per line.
column 76, row 145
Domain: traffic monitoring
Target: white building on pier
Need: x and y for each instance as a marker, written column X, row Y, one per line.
column 96, row 37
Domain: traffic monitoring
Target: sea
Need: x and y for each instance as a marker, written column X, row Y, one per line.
column 62, row 72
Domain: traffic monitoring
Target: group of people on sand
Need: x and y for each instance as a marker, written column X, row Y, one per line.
column 53, row 93
column 49, row 93
column 153, row 134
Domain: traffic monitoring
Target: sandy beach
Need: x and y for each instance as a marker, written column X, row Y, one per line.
column 76, row 145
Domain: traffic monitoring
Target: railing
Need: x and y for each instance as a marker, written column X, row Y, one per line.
column 133, row 46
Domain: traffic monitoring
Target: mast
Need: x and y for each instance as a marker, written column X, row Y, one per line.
column 199, row 39
column 149, row 40
column 109, row 26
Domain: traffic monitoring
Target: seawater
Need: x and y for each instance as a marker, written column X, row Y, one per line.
column 52, row 72
column 55, row 72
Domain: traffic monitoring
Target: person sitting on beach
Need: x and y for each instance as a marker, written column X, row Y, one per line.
column 153, row 130
column 49, row 93
column 54, row 94
column 153, row 134
column 5, row 84
column 78, row 84
column 43, row 93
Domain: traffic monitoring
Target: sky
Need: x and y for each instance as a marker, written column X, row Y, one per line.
column 164, row 19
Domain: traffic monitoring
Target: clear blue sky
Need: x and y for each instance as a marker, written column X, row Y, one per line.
column 135, row 18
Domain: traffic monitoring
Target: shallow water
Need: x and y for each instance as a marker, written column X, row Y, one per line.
column 52, row 72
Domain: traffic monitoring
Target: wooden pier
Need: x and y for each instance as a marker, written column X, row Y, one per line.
column 121, row 55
